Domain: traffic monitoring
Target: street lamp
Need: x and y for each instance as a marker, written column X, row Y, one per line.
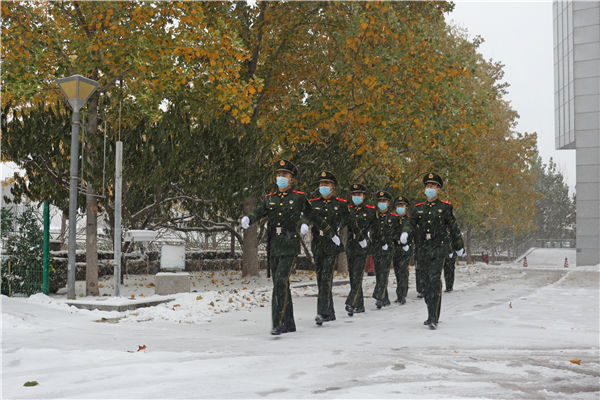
column 77, row 90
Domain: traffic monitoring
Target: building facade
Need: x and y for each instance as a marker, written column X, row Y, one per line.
column 577, row 112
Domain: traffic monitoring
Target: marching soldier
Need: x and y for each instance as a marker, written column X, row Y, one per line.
column 402, row 253
column 449, row 271
column 383, row 246
column 283, row 210
column 362, row 217
column 334, row 211
column 432, row 225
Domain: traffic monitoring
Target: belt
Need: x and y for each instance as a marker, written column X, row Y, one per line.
column 280, row 229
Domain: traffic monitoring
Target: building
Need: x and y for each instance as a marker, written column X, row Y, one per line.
column 577, row 112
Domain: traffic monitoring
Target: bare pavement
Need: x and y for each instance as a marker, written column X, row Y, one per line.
column 505, row 332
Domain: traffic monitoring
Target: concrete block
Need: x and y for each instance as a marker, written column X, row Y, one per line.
column 589, row 138
column 585, row 86
column 587, row 51
column 588, row 173
column 587, row 155
column 172, row 282
column 586, row 17
column 585, row 121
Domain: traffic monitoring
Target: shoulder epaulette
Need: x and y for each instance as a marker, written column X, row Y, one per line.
column 296, row 191
column 368, row 206
column 315, row 199
column 270, row 194
column 340, row 199
column 394, row 214
column 416, row 205
column 446, row 202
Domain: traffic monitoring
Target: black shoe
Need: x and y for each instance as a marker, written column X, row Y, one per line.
column 448, row 290
column 386, row 303
column 349, row 310
column 319, row 320
column 329, row 318
column 288, row 329
column 420, row 295
column 403, row 300
column 433, row 325
column 397, row 301
column 426, row 322
column 276, row 331
column 359, row 310
column 379, row 304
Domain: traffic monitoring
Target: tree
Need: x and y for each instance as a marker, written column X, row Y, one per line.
column 152, row 49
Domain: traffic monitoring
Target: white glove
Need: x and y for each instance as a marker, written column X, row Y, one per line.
column 460, row 252
column 404, row 238
column 303, row 229
column 384, row 247
column 335, row 239
column 245, row 222
column 451, row 255
column 363, row 243
column 405, row 248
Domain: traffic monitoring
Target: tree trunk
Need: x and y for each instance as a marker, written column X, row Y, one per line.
column 342, row 261
column 232, row 246
column 214, row 240
column 250, row 243
column 91, row 202
column 468, row 246
column 91, row 243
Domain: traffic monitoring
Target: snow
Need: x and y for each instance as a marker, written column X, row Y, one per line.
column 505, row 332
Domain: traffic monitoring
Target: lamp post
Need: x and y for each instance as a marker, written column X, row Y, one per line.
column 77, row 90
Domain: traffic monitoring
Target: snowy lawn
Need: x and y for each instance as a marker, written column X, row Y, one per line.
column 505, row 332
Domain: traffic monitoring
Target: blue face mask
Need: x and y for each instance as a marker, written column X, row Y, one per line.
column 400, row 210
column 430, row 193
column 282, row 182
column 357, row 200
column 382, row 206
column 324, row 190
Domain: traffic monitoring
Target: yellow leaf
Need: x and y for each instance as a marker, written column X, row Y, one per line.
column 576, row 361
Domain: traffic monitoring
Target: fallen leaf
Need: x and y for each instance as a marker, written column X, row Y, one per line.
column 243, row 304
column 31, row 383
column 100, row 286
column 142, row 347
column 132, row 296
column 198, row 297
column 510, row 304
column 230, row 300
column 576, row 361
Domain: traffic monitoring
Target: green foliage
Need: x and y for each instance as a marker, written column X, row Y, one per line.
column 22, row 252
column 555, row 217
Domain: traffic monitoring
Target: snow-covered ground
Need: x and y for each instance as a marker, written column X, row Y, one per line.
column 505, row 332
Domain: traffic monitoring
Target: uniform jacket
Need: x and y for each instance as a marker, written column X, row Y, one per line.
column 333, row 211
column 284, row 212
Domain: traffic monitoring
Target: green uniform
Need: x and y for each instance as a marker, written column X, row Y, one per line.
column 449, row 270
column 401, row 260
column 433, row 229
column 334, row 211
column 362, row 220
column 284, row 211
column 384, row 231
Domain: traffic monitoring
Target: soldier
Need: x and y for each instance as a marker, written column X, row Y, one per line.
column 449, row 271
column 362, row 217
column 383, row 247
column 283, row 210
column 432, row 225
column 334, row 211
column 402, row 253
